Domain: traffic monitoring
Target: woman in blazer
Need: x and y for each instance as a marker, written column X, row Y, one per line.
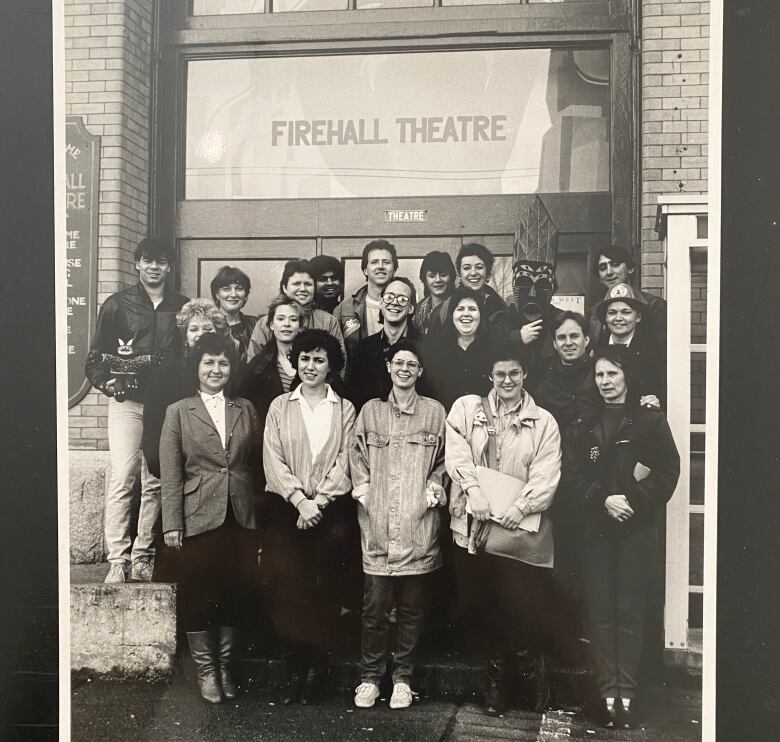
column 311, row 520
column 209, row 453
column 621, row 469
column 167, row 384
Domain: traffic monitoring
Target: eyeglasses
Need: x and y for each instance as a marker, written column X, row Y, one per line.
column 411, row 365
column 500, row 376
column 400, row 299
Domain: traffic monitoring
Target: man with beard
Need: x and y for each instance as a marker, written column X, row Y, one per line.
column 328, row 274
column 358, row 314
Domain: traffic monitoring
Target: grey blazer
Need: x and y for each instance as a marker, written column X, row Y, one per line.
column 198, row 475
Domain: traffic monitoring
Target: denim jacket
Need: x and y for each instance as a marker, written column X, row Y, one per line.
column 395, row 455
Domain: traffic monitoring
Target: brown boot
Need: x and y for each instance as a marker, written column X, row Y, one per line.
column 228, row 639
column 204, row 654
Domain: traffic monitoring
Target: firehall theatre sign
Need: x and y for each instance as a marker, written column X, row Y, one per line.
column 82, row 167
column 388, row 125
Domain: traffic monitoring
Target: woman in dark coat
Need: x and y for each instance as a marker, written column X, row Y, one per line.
column 270, row 372
column 622, row 467
column 209, row 455
column 437, row 275
column 230, row 290
column 457, row 360
column 623, row 311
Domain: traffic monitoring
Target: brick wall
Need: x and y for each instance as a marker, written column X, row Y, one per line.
column 107, row 82
column 675, row 60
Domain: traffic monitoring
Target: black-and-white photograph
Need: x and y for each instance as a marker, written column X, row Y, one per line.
column 391, row 366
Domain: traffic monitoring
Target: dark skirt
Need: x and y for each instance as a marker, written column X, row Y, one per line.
column 309, row 575
column 506, row 606
column 215, row 573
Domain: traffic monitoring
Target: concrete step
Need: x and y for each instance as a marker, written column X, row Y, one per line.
column 129, row 630
column 435, row 678
column 121, row 630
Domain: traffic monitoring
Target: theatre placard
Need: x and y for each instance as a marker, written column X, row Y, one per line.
column 406, row 215
column 82, row 168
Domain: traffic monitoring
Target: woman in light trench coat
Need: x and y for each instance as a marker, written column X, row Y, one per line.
column 506, row 597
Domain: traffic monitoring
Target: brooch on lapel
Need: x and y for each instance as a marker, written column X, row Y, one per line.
column 594, row 453
column 480, row 420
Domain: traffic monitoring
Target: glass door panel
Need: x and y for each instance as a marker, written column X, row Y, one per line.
column 262, row 260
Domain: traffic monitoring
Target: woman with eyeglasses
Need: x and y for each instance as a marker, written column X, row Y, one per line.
column 504, row 457
column 623, row 467
column 458, row 357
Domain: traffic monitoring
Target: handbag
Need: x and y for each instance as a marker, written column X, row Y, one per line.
column 534, row 548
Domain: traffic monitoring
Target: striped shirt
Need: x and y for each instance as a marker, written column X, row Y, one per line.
column 287, row 460
column 286, row 373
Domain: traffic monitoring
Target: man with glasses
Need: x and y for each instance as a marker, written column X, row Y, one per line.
column 368, row 375
column 397, row 463
column 134, row 324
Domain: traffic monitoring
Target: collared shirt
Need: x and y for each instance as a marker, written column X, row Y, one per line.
column 408, row 407
column 317, row 419
column 504, row 412
column 504, row 415
column 215, row 406
column 612, row 340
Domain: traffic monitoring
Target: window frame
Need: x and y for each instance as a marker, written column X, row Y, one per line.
column 180, row 38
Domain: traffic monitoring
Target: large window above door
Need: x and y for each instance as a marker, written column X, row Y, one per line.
column 235, row 7
column 498, row 121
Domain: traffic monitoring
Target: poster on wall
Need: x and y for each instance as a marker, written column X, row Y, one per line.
column 82, row 168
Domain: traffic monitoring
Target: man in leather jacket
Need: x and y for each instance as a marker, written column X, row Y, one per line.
column 136, row 328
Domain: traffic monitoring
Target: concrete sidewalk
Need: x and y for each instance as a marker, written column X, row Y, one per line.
column 171, row 711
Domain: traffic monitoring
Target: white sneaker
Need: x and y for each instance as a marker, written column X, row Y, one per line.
column 117, row 573
column 366, row 695
column 402, row 696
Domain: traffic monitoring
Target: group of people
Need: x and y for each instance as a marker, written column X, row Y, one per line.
column 499, row 441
